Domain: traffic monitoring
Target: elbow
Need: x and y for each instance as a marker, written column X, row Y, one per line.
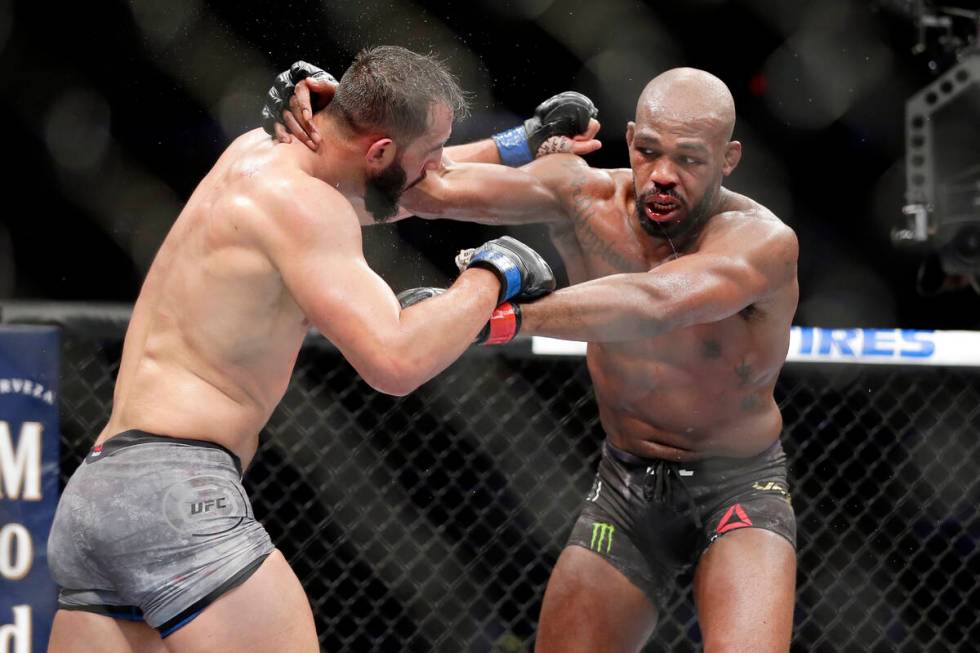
column 395, row 388
column 428, row 200
column 393, row 377
column 426, row 210
column 391, row 386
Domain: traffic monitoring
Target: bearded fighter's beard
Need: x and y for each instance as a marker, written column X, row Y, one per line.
column 383, row 191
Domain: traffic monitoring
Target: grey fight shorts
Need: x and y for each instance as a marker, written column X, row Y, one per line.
column 652, row 518
column 154, row 528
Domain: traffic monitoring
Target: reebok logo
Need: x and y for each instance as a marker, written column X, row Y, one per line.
column 733, row 518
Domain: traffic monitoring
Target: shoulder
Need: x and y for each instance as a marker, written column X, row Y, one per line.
column 570, row 174
column 297, row 192
column 298, row 210
column 753, row 226
column 256, row 178
column 754, row 239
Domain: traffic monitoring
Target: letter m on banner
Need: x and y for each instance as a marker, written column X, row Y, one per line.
column 20, row 462
column 29, row 438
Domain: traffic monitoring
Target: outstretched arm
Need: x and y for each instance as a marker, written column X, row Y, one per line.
column 493, row 194
column 564, row 123
column 318, row 252
column 743, row 266
column 482, row 151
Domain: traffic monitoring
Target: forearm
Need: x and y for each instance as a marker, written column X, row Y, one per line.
column 484, row 151
column 433, row 334
column 484, row 193
column 610, row 309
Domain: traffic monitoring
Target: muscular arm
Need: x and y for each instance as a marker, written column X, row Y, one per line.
column 319, row 255
column 495, row 194
column 483, row 151
column 486, row 151
column 743, row 265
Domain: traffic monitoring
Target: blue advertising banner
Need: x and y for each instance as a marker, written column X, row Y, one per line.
column 860, row 346
column 29, row 435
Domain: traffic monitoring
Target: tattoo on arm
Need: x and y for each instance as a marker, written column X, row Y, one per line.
column 582, row 209
column 555, row 145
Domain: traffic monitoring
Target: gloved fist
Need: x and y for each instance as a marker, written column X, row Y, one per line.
column 282, row 89
column 523, row 274
column 565, row 114
column 503, row 325
column 560, row 117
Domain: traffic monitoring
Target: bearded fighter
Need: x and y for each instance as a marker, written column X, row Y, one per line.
column 154, row 543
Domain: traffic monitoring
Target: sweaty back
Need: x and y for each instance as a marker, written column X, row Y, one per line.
column 190, row 369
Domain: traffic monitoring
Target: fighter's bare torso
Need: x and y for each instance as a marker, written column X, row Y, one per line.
column 214, row 333
column 705, row 390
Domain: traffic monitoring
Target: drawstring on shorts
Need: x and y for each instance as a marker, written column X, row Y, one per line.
column 660, row 480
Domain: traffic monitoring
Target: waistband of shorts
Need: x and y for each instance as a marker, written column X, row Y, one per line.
column 632, row 460
column 134, row 437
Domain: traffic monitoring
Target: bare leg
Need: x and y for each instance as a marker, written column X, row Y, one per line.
column 744, row 588
column 269, row 612
column 590, row 606
column 74, row 631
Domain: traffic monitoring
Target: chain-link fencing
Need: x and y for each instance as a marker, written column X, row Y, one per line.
column 431, row 522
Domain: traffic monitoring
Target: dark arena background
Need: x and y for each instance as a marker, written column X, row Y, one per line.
column 431, row 522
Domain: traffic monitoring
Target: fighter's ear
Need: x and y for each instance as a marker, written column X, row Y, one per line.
column 380, row 153
column 630, row 129
column 733, row 154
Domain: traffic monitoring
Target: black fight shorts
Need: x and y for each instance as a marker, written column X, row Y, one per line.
column 652, row 519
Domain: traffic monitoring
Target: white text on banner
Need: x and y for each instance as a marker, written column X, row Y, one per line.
column 823, row 345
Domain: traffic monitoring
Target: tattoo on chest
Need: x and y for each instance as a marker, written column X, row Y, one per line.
column 584, row 214
column 711, row 349
column 751, row 402
column 744, row 373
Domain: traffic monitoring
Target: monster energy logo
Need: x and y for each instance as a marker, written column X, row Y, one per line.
column 602, row 534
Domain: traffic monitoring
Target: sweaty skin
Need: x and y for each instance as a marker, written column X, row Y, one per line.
column 687, row 317
column 269, row 245
column 684, row 291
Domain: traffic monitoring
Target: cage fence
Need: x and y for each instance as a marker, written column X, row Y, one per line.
column 431, row 522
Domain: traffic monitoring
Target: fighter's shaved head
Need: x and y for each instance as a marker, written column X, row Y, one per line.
column 681, row 150
column 688, row 96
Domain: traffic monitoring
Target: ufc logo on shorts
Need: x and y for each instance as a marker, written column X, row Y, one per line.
column 205, row 506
